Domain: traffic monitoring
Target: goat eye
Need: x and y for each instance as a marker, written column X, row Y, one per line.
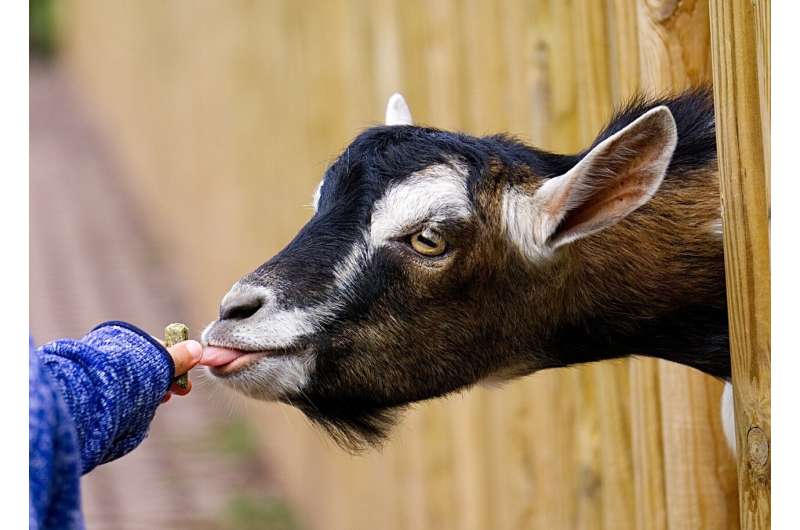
column 428, row 243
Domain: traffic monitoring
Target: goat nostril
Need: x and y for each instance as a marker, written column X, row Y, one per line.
column 240, row 309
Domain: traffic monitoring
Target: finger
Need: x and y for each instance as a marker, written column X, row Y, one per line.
column 177, row 389
column 185, row 354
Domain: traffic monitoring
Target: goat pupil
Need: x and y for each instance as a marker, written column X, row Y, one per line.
column 426, row 241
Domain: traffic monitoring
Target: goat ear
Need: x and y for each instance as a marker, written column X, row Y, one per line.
column 615, row 178
column 397, row 112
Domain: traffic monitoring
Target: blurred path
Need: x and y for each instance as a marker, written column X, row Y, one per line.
column 91, row 260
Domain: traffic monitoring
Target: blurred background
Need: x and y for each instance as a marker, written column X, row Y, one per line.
column 176, row 145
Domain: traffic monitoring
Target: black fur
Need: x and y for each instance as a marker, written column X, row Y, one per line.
column 381, row 154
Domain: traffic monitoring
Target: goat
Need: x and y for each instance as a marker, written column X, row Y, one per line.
column 436, row 260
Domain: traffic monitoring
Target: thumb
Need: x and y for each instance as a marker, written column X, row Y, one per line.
column 185, row 355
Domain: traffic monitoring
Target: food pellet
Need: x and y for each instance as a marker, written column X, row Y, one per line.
column 173, row 334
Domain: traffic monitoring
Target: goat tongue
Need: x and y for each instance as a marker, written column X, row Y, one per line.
column 213, row 356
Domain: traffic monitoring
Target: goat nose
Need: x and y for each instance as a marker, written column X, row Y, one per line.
column 240, row 305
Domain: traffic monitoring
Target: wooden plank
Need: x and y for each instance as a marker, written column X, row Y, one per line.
column 647, row 446
column 647, row 451
column 603, row 442
column 623, row 52
column 762, row 20
column 675, row 54
column 740, row 33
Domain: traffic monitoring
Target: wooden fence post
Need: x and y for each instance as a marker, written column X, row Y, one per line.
column 740, row 38
column 674, row 48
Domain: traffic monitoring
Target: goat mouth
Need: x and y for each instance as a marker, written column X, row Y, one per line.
column 224, row 362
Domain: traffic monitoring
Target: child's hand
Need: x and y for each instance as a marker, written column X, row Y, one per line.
column 185, row 354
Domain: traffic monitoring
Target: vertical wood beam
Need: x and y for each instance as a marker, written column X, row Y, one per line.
column 740, row 37
column 675, row 54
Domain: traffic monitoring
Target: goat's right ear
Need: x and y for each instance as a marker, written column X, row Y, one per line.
column 397, row 111
column 616, row 177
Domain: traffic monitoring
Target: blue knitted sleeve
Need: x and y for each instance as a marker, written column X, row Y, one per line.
column 54, row 456
column 111, row 380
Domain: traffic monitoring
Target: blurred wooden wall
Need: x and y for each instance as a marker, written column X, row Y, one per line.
column 237, row 107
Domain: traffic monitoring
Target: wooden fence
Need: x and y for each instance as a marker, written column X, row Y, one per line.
column 741, row 37
column 238, row 106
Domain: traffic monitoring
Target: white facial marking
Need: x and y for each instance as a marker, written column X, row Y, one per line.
column 524, row 227
column 397, row 111
column 270, row 327
column 347, row 271
column 317, row 194
column 436, row 193
column 726, row 410
column 279, row 329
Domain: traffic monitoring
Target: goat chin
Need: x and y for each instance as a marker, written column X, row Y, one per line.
column 270, row 378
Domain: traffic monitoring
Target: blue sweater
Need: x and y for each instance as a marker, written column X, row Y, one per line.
column 91, row 401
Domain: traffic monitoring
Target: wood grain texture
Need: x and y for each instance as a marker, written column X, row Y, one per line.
column 243, row 105
column 740, row 32
column 675, row 54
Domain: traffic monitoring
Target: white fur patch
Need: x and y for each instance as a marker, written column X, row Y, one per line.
column 523, row 224
column 727, row 412
column 317, row 194
column 270, row 327
column 434, row 194
column 715, row 227
column 347, row 271
column 278, row 329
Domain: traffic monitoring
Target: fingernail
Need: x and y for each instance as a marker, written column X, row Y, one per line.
column 195, row 349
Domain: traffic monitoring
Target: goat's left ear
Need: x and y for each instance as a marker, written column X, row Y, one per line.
column 615, row 178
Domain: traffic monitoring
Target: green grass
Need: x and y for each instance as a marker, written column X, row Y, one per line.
column 245, row 512
column 42, row 25
column 235, row 438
